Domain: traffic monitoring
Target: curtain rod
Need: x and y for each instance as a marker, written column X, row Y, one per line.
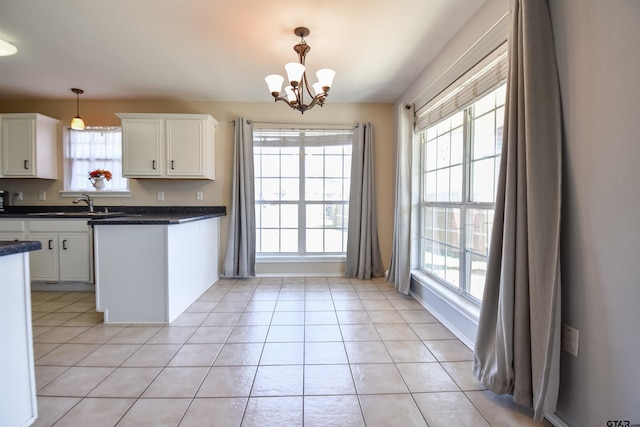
column 466, row 52
column 304, row 125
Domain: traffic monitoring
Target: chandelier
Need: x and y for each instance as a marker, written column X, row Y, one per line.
column 298, row 83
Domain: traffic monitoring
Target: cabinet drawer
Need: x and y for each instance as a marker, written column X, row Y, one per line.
column 12, row 225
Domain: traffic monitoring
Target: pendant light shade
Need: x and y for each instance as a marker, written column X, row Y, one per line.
column 77, row 123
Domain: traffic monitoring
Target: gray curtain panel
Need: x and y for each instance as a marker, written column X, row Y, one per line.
column 400, row 266
column 363, row 250
column 240, row 258
column 517, row 344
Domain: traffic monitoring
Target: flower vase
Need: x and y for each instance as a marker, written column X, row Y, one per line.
column 98, row 183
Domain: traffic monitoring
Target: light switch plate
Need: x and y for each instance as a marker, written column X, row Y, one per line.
column 42, row 195
column 160, row 196
column 199, row 195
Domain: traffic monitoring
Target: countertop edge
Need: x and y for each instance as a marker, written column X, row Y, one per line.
column 11, row 248
column 153, row 219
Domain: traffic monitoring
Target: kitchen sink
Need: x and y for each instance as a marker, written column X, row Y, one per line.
column 77, row 214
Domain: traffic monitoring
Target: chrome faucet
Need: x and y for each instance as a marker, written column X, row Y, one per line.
column 87, row 199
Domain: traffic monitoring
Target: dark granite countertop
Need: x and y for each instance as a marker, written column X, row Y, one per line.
column 10, row 248
column 120, row 215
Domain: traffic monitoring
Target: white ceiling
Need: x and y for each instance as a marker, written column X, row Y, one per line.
column 218, row 50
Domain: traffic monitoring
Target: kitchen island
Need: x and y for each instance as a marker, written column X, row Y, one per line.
column 18, row 405
column 150, row 267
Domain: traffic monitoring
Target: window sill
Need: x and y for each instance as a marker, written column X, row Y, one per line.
column 96, row 194
column 467, row 307
column 457, row 313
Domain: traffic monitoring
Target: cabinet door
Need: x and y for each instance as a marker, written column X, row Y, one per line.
column 75, row 256
column 142, row 143
column 18, row 138
column 45, row 262
column 185, row 147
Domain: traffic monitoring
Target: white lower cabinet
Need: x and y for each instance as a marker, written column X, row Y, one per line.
column 64, row 257
column 66, row 251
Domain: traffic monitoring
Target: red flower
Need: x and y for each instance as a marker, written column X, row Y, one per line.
column 100, row 173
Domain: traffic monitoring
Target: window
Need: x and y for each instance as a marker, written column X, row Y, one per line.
column 460, row 160
column 302, row 179
column 90, row 149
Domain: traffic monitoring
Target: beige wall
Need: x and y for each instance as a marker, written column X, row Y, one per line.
column 183, row 192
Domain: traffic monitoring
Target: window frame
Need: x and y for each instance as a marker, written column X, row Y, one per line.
column 67, row 167
column 466, row 205
column 302, row 203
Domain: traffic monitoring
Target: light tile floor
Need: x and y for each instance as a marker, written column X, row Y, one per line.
column 261, row 352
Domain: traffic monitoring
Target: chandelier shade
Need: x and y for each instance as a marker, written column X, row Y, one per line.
column 297, row 78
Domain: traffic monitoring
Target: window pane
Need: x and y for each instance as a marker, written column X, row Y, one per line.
column 457, row 146
column 314, row 240
column 270, row 166
column 290, row 166
column 478, row 273
column 333, row 166
column 456, row 184
column 313, row 166
column 479, row 224
column 334, row 216
column 452, row 274
column 333, row 240
column 289, row 216
column 484, row 136
column 289, row 240
column 270, row 189
column 443, row 185
column 333, row 189
column 270, row 240
column 314, row 188
column 315, row 216
column 483, row 181
column 443, row 151
column 290, row 189
column 270, row 216
column 430, row 188
column 431, row 155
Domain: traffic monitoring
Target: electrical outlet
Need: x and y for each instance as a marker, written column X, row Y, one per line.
column 199, row 195
column 42, row 195
column 570, row 338
column 19, row 195
column 160, row 196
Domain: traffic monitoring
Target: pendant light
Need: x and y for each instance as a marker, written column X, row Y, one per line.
column 77, row 123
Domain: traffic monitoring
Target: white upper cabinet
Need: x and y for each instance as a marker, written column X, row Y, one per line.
column 168, row 145
column 28, row 146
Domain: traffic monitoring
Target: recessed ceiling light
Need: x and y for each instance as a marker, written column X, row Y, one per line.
column 7, row 48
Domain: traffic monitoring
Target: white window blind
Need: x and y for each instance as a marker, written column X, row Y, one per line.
column 479, row 80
